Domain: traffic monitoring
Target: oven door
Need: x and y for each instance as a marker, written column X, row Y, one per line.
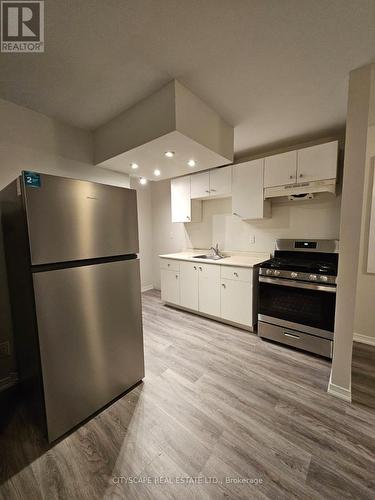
column 308, row 307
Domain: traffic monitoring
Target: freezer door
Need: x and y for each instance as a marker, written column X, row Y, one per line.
column 70, row 219
column 90, row 338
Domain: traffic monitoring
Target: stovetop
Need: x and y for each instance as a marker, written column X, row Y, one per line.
column 317, row 267
column 301, row 265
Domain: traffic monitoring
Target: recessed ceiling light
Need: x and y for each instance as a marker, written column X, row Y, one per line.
column 169, row 154
column 143, row 180
column 191, row 163
column 134, row 166
column 157, row 172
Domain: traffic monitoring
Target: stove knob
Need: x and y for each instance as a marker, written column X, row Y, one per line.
column 268, row 272
column 294, row 275
column 276, row 273
column 324, row 278
column 313, row 277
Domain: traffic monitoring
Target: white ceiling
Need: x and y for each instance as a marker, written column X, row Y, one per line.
column 274, row 69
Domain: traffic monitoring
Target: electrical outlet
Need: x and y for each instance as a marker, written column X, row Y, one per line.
column 4, row 349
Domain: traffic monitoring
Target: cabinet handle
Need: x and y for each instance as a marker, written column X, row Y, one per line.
column 223, row 285
column 207, row 191
column 176, row 276
column 213, row 190
column 291, row 335
column 236, row 274
column 169, row 265
column 195, row 267
column 188, row 217
column 235, row 213
column 200, row 268
column 291, row 177
column 301, row 175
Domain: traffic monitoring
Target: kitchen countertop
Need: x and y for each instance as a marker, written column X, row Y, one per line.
column 239, row 259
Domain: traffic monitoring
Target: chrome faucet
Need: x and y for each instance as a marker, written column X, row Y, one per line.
column 216, row 250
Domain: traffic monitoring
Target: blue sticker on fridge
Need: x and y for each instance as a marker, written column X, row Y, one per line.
column 32, row 179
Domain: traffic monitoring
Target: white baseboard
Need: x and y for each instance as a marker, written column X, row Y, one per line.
column 364, row 339
column 338, row 391
column 145, row 288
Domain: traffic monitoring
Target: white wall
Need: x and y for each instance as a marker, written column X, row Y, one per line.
column 361, row 92
column 318, row 218
column 145, row 231
column 167, row 237
column 31, row 141
column 365, row 318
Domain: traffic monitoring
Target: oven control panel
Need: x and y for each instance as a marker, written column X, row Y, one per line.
column 315, row 278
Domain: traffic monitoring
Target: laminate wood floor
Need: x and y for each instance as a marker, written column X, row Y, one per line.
column 221, row 414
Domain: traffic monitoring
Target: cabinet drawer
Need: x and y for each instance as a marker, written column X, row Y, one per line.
column 237, row 273
column 172, row 265
column 293, row 338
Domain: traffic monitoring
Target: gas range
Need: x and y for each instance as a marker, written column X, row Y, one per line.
column 297, row 294
column 311, row 261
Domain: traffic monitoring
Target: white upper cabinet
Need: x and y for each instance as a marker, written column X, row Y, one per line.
column 182, row 208
column 317, row 163
column 180, row 199
column 221, row 182
column 280, row 169
column 216, row 183
column 200, row 185
column 247, row 191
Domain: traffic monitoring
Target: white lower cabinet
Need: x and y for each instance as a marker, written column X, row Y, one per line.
column 200, row 287
column 170, row 286
column 209, row 289
column 236, row 301
column 189, row 285
column 225, row 292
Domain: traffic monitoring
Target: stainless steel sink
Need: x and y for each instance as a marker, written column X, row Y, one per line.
column 209, row 257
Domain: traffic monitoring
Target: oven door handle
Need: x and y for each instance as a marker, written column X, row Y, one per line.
column 298, row 284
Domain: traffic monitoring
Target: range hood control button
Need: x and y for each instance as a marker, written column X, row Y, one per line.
column 294, row 275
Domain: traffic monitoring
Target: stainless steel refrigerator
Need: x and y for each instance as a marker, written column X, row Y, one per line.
column 74, row 284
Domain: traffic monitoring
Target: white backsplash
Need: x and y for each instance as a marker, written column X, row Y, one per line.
column 317, row 218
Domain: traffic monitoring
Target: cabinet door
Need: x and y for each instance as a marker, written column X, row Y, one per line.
column 247, row 191
column 317, row 162
column 180, row 199
column 200, row 185
column 189, row 285
column 221, row 182
column 236, row 301
column 170, row 286
column 209, row 289
column 280, row 169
